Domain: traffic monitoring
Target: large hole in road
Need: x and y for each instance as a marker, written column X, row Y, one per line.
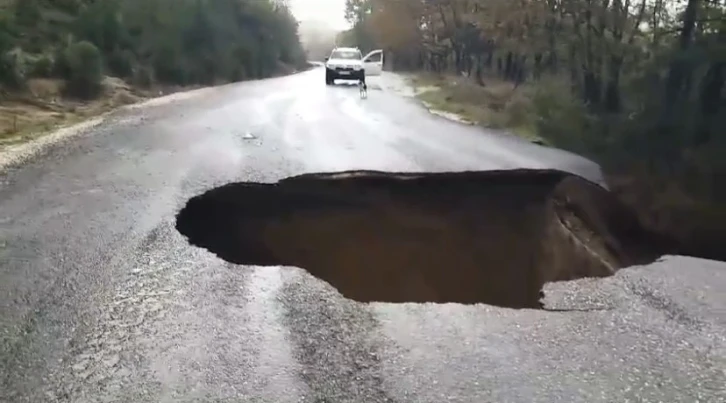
column 493, row 237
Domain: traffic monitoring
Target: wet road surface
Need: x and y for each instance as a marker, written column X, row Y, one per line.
column 102, row 301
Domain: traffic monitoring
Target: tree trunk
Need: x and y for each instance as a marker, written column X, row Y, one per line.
column 574, row 76
column 680, row 68
column 592, row 92
column 479, row 78
column 552, row 28
column 537, row 72
column 713, row 86
column 612, row 91
column 521, row 70
column 509, row 66
column 711, row 100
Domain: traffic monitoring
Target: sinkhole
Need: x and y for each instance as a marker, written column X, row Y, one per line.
column 493, row 237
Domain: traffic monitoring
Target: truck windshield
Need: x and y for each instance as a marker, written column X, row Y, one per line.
column 346, row 54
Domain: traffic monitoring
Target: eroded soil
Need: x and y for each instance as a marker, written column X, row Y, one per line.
column 493, row 237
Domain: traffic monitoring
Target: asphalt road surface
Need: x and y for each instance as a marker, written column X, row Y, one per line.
column 102, row 301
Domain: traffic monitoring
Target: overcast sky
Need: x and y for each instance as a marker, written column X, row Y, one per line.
column 330, row 11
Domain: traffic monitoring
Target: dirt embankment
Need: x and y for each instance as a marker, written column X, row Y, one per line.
column 41, row 107
column 492, row 237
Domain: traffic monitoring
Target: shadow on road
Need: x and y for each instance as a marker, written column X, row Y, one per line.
column 492, row 237
column 352, row 84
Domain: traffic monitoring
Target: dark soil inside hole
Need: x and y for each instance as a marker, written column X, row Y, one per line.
column 493, row 237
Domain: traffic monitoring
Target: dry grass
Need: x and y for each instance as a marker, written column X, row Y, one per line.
column 497, row 105
column 41, row 108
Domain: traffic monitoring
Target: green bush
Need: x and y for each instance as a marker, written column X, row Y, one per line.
column 169, row 67
column 560, row 117
column 120, row 63
column 42, row 67
column 27, row 12
column 86, row 70
column 60, row 64
column 12, row 70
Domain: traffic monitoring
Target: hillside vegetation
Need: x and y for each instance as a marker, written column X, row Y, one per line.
column 172, row 41
column 638, row 85
column 60, row 50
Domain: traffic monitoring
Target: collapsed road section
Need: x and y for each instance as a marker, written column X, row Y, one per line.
column 493, row 237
